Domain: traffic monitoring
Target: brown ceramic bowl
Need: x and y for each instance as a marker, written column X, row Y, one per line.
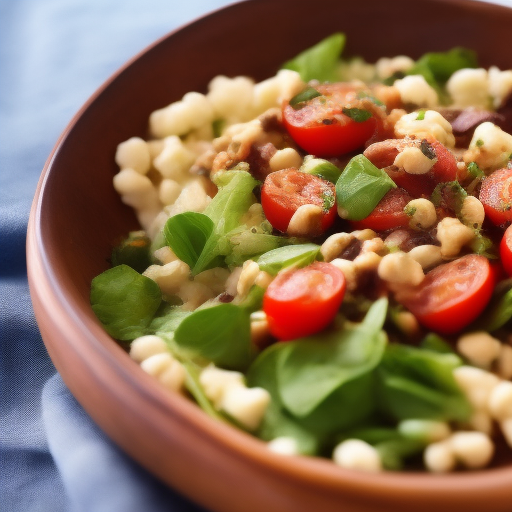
column 76, row 216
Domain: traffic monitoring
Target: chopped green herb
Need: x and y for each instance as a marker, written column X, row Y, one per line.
column 427, row 149
column 474, row 171
column 329, row 199
column 307, row 94
column 218, row 126
column 364, row 94
column 479, row 143
column 410, row 210
column 421, row 115
column 357, row 114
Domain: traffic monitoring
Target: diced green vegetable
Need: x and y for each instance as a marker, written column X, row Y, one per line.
column 320, row 61
column 292, row 255
column 360, row 188
column 125, row 302
column 321, row 168
column 357, row 114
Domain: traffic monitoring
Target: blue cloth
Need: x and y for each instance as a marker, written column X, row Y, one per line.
column 53, row 55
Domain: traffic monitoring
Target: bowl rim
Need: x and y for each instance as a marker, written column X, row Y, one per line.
column 44, row 283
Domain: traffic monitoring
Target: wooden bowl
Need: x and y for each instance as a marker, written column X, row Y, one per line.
column 76, row 217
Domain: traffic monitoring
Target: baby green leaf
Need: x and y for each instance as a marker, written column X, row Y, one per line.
column 186, row 234
column 360, row 188
column 312, row 369
column 225, row 211
column 125, row 302
column 220, row 334
column 277, row 422
column 320, row 61
column 419, row 384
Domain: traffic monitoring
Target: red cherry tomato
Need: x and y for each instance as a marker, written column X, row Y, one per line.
column 303, row 301
column 283, row 192
column 388, row 214
column 496, row 196
column 506, row 251
column 321, row 128
column 383, row 154
column 452, row 295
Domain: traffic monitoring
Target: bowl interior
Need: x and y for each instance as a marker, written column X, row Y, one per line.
column 77, row 215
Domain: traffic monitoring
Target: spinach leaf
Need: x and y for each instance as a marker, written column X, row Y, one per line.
column 220, row 334
column 278, row 422
column 292, row 255
column 320, row 61
column 186, row 234
column 320, row 378
column 125, row 302
column 134, row 251
column 440, row 66
column 416, row 383
column 225, row 211
column 250, row 243
column 360, row 188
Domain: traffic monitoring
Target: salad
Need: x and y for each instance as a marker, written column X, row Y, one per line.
column 325, row 259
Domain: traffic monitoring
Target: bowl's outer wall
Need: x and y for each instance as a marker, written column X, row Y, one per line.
column 77, row 217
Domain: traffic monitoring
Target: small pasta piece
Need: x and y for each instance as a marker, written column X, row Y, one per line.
column 469, row 88
column 415, row 89
column 146, row 346
column 479, row 348
column 400, row 268
column 283, row 446
column 134, row 154
column 473, row 450
column 168, row 371
column 358, row 455
column 181, row 117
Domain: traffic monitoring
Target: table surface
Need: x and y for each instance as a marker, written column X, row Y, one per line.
column 53, row 55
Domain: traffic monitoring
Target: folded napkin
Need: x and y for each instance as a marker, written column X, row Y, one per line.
column 53, row 55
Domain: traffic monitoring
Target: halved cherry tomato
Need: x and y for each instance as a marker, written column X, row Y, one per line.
column 452, row 295
column 496, row 196
column 320, row 127
column 283, row 192
column 383, row 154
column 389, row 212
column 506, row 251
column 303, row 301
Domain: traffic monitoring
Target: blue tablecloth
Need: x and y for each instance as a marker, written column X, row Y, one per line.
column 53, row 55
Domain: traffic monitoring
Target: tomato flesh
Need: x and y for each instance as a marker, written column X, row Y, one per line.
column 322, row 129
column 496, row 196
column 301, row 302
column 388, row 214
column 506, row 251
column 285, row 191
column 452, row 295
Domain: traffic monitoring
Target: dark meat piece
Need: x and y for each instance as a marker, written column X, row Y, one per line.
column 258, row 160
